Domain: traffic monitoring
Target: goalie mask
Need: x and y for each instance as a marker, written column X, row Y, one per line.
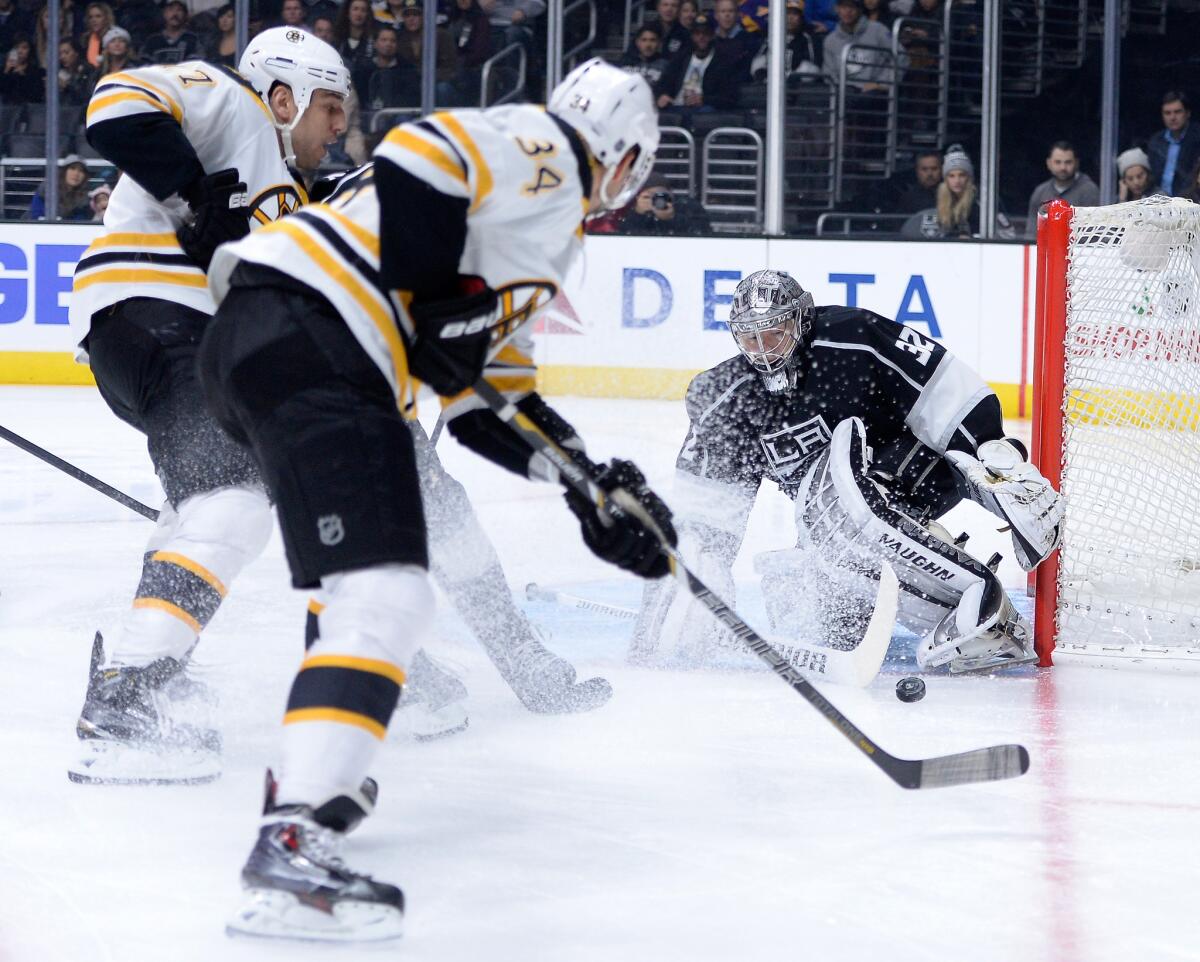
column 770, row 318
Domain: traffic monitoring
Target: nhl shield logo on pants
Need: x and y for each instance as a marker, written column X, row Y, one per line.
column 330, row 529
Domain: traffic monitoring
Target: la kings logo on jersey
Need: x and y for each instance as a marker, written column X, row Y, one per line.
column 792, row 445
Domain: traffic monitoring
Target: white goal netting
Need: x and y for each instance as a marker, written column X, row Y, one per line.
column 1129, row 569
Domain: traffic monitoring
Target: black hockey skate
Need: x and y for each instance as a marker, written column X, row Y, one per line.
column 129, row 732
column 298, row 887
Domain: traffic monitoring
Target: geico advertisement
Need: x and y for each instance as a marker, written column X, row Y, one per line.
column 37, row 262
column 650, row 302
column 664, row 303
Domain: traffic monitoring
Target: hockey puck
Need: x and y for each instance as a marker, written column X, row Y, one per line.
column 910, row 689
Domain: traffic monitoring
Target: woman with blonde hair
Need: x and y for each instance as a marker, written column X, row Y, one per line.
column 957, row 212
column 99, row 20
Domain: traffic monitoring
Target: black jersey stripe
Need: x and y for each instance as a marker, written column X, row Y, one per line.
column 138, row 257
column 141, row 90
column 344, row 250
column 429, row 128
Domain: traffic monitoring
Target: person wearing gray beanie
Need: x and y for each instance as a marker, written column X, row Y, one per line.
column 1133, row 168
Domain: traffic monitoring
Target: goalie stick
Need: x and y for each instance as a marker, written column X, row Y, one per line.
column 857, row 667
column 981, row 765
column 79, row 475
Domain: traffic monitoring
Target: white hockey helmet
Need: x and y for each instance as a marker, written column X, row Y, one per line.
column 771, row 315
column 612, row 111
column 299, row 60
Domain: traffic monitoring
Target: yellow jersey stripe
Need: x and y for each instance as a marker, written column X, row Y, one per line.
column 375, row 666
column 338, row 715
column 379, row 317
column 315, row 607
column 135, row 240
column 369, row 241
column 100, row 103
column 172, row 557
column 171, row 609
column 483, row 173
column 139, row 275
column 125, row 78
column 426, row 151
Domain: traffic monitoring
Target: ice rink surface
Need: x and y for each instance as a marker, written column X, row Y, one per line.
column 697, row 816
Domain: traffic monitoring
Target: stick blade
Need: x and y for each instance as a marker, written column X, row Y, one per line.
column 981, row 765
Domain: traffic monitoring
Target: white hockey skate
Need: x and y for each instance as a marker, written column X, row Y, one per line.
column 432, row 703
column 140, row 726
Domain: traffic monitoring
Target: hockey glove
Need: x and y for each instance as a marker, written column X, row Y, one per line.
column 627, row 541
column 1014, row 490
column 220, row 207
column 453, row 335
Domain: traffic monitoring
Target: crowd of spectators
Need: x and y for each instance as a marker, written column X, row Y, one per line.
column 697, row 59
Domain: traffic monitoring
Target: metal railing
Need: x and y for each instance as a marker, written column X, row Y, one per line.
column 20, row 177
column 570, row 54
column 676, row 159
column 865, row 141
column 388, row 117
column 732, row 182
column 873, row 224
column 485, row 75
column 920, row 108
column 809, row 154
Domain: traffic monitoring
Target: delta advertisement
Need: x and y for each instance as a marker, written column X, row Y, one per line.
column 639, row 316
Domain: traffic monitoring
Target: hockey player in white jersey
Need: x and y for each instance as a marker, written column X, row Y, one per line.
column 206, row 154
column 875, row 431
column 329, row 324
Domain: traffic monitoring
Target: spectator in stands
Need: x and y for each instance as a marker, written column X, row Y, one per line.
column 322, row 28
column 705, row 79
column 411, row 45
column 75, row 78
column 99, row 19
column 392, row 83
column 73, row 203
column 689, row 10
column 293, row 14
column 13, row 23
column 472, row 37
column 658, row 210
column 140, row 17
column 98, row 201
column 868, row 72
column 1066, row 182
column 956, row 216
column 23, row 81
column 174, row 43
column 388, row 13
column 116, row 53
column 1133, row 168
column 223, row 48
column 1174, row 151
column 354, row 34
column 41, row 36
column 803, row 48
column 878, row 11
column 511, row 20
column 646, row 57
column 922, row 190
column 674, row 35
column 730, row 34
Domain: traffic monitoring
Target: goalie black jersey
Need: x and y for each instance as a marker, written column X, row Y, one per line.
column 910, row 392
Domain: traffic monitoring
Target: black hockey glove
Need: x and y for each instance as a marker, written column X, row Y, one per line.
column 453, row 336
column 625, row 541
column 220, row 206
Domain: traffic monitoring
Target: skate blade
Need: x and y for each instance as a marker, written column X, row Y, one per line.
column 419, row 722
column 271, row 914
column 572, row 700
column 989, row 665
column 110, row 763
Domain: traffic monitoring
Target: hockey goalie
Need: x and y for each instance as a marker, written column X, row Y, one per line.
column 875, row 432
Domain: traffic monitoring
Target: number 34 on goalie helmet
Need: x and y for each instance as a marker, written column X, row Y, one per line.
column 770, row 317
column 613, row 111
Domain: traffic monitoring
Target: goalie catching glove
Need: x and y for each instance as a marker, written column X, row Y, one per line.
column 1003, row 481
column 453, row 336
column 220, row 206
column 631, row 537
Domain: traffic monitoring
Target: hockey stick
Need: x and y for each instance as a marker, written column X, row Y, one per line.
column 535, row 592
column 857, row 666
column 67, row 468
column 981, row 765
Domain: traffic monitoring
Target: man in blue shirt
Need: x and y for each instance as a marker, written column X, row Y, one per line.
column 1175, row 150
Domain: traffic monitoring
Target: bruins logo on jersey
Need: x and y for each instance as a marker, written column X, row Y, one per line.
column 275, row 202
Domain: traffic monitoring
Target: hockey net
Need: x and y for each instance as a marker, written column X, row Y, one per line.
column 1116, row 421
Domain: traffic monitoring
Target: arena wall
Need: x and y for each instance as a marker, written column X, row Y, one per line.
column 640, row 315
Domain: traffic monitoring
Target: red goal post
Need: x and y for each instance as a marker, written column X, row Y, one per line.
column 1117, row 429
